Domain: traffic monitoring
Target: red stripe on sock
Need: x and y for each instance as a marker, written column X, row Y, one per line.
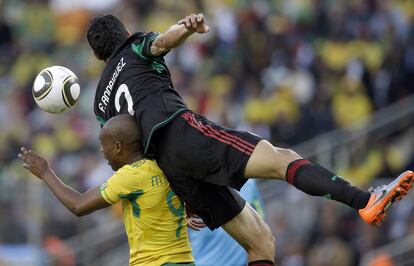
column 213, row 134
column 293, row 168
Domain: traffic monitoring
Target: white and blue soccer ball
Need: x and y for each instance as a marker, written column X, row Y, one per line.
column 56, row 89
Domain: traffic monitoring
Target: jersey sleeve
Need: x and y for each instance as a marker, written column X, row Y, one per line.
column 117, row 187
column 250, row 192
column 143, row 47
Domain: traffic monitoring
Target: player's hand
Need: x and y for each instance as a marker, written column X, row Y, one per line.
column 33, row 162
column 195, row 23
column 195, row 222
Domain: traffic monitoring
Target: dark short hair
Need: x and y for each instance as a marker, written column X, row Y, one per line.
column 105, row 33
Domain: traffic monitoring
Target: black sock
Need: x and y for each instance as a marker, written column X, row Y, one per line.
column 261, row 263
column 316, row 180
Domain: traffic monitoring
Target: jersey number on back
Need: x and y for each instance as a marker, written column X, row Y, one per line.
column 132, row 197
column 123, row 89
column 176, row 211
column 179, row 212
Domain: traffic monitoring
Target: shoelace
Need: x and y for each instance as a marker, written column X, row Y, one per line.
column 372, row 189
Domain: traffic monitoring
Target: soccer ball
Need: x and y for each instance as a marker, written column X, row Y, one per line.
column 56, row 89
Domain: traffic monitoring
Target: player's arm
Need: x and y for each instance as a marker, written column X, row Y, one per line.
column 78, row 203
column 178, row 33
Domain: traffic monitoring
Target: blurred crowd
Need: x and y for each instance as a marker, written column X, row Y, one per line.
column 287, row 70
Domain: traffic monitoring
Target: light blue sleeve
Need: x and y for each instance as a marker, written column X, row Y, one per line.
column 250, row 192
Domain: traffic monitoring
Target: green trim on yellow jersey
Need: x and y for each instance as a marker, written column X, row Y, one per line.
column 103, row 193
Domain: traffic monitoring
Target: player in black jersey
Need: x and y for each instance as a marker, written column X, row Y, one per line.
column 200, row 158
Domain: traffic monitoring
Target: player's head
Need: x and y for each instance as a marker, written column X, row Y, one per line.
column 120, row 141
column 105, row 33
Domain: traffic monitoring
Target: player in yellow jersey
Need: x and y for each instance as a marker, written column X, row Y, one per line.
column 154, row 217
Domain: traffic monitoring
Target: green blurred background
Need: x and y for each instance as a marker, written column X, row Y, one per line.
column 333, row 79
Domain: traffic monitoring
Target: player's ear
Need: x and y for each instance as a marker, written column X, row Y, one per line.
column 118, row 147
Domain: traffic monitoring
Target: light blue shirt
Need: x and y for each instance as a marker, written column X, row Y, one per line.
column 212, row 248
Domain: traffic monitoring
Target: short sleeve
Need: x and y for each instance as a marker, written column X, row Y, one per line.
column 250, row 192
column 143, row 46
column 109, row 193
column 115, row 186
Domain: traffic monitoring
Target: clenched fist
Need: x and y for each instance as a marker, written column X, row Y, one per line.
column 195, row 23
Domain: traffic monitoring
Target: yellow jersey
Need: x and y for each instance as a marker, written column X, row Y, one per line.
column 154, row 216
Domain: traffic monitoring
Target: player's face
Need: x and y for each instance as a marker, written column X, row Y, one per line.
column 108, row 148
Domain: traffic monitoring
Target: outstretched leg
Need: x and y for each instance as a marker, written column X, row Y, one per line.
column 254, row 235
column 268, row 161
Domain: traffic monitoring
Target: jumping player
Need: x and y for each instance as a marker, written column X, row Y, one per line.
column 200, row 158
column 154, row 217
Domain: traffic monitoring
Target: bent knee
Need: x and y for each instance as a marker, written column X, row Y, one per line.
column 268, row 161
column 287, row 154
column 281, row 161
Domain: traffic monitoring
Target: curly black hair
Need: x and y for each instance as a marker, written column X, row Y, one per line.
column 105, row 33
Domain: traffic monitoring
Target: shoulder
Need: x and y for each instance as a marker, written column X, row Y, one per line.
column 142, row 38
column 129, row 174
column 144, row 165
column 141, row 43
column 144, row 35
column 141, row 174
column 147, row 165
column 133, row 167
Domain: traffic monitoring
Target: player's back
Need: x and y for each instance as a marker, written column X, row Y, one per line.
column 154, row 216
column 135, row 82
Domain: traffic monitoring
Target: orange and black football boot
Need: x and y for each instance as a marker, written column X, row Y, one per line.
column 384, row 196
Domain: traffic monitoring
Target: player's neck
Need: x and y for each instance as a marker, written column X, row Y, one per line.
column 135, row 158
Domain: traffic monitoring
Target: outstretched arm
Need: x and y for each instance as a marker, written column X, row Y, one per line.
column 78, row 203
column 178, row 33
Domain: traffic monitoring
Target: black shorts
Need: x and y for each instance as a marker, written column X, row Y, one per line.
column 201, row 159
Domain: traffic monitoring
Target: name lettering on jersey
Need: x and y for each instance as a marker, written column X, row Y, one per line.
column 158, row 180
column 108, row 90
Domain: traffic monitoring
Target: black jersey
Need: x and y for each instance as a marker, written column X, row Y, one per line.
column 138, row 83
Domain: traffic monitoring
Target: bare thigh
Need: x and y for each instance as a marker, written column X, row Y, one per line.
column 250, row 230
column 268, row 161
